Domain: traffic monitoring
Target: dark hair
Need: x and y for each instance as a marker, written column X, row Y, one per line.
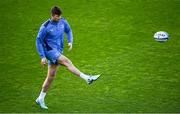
column 56, row 11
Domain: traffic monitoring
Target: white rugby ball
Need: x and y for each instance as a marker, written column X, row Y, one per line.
column 161, row 36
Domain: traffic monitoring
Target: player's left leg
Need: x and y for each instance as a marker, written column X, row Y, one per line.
column 66, row 62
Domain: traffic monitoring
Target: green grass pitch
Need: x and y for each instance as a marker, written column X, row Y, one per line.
column 111, row 37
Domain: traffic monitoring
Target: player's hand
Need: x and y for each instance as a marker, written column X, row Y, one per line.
column 43, row 62
column 70, row 46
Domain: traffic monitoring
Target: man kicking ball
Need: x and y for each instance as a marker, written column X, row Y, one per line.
column 50, row 45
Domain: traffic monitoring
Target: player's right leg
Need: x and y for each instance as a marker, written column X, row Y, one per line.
column 66, row 62
column 52, row 69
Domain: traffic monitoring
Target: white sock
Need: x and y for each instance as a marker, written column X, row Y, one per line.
column 42, row 95
column 84, row 76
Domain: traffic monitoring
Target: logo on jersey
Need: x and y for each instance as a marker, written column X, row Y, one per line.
column 61, row 26
column 51, row 30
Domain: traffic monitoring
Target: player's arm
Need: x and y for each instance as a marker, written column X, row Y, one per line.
column 68, row 31
column 40, row 42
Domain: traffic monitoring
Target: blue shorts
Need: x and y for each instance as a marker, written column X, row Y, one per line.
column 52, row 56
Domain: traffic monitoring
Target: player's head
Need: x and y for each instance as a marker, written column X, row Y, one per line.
column 56, row 13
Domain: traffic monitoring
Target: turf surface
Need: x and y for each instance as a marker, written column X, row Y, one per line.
column 111, row 37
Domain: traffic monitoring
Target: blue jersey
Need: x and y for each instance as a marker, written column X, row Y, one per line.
column 51, row 36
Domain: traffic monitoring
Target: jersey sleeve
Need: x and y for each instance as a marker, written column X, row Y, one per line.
column 40, row 41
column 68, row 31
